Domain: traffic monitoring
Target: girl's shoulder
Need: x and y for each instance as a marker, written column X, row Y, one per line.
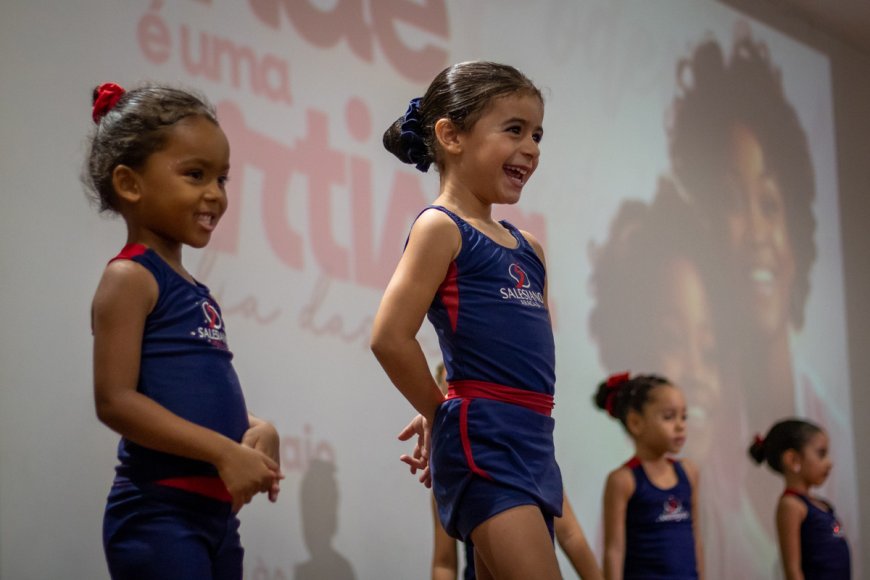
column 438, row 219
column 621, row 480
column 791, row 507
column 434, row 227
column 810, row 500
column 125, row 284
column 436, row 213
column 691, row 470
column 127, row 270
column 536, row 245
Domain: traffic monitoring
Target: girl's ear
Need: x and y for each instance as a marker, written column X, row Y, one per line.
column 126, row 183
column 791, row 461
column 448, row 136
column 634, row 422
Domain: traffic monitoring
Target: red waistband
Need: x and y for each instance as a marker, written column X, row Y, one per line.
column 209, row 486
column 537, row 402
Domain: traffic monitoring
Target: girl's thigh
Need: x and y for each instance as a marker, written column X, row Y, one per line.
column 516, row 543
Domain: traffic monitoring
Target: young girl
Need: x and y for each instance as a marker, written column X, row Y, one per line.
column 190, row 455
column 651, row 527
column 811, row 540
column 483, row 285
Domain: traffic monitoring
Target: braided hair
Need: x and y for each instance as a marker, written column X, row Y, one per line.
column 621, row 393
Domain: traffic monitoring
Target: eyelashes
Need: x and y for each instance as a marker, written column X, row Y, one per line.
column 198, row 175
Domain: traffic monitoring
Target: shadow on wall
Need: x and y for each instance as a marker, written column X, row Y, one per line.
column 319, row 499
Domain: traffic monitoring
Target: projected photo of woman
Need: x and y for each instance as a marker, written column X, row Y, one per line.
column 709, row 283
column 742, row 158
column 652, row 282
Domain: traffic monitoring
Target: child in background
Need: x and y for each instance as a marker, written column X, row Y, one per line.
column 573, row 542
column 651, row 527
column 483, row 285
column 190, row 455
column 811, row 540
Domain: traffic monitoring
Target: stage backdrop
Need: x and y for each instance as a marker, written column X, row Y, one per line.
column 683, row 237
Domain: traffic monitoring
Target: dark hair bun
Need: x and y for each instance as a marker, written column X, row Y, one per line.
column 601, row 396
column 393, row 140
column 406, row 138
column 792, row 433
column 757, row 451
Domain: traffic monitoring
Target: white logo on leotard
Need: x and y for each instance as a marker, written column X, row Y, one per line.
column 673, row 511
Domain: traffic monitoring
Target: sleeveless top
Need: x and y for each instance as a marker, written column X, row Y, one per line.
column 186, row 367
column 497, row 344
column 490, row 316
column 659, row 541
column 824, row 549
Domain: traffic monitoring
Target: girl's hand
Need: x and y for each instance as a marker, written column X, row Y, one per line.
column 263, row 437
column 247, row 472
column 420, row 457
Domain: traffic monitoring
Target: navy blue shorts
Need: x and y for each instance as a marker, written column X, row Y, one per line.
column 489, row 456
column 483, row 499
column 151, row 531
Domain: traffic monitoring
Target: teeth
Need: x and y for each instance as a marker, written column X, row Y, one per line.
column 518, row 172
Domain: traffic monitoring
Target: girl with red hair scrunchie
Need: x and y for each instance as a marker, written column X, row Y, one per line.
column 650, row 502
column 186, row 465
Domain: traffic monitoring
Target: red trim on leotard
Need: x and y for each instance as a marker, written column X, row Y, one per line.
column 632, row 463
column 470, row 390
column 212, row 487
column 537, row 402
column 449, row 294
column 466, row 442
column 130, row 251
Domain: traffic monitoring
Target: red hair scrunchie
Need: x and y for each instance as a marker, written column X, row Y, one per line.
column 614, row 382
column 759, row 440
column 107, row 97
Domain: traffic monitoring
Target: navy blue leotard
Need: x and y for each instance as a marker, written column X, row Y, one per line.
column 824, row 549
column 186, row 367
column 659, row 539
column 167, row 516
column 492, row 443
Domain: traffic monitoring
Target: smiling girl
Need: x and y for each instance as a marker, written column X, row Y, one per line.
column 493, row 466
column 190, row 454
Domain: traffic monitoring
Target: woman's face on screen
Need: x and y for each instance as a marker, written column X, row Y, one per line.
column 685, row 348
column 758, row 235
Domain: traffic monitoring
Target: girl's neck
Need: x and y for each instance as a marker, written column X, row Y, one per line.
column 462, row 201
column 649, row 456
column 658, row 469
column 796, row 484
column 170, row 253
